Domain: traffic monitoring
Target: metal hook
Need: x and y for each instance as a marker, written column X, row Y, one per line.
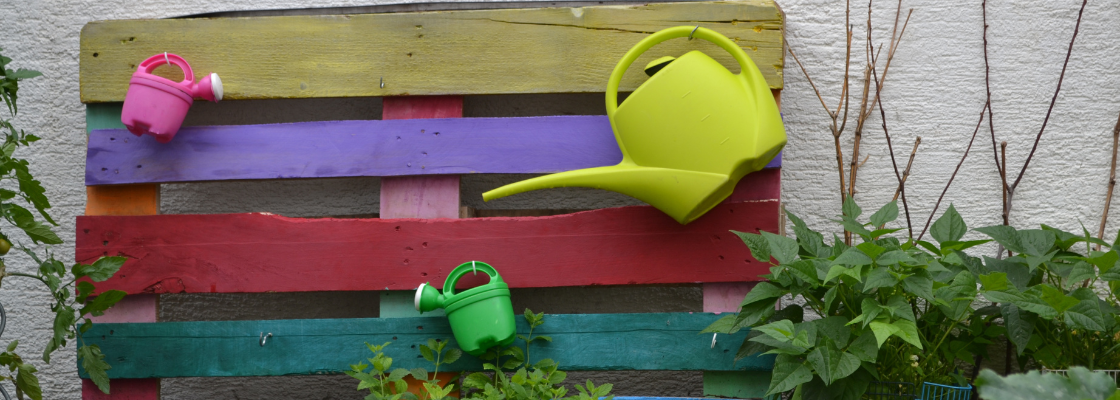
column 693, row 31
column 383, row 82
column 265, row 338
column 714, row 340
column 473, row 268
column 168, row 60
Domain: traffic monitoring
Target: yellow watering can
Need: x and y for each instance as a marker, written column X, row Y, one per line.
column 688, row 134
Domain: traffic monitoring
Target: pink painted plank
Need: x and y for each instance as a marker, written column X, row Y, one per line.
column 123, row 389
column 725, row 296
column 426, row 196
column 263, row 253
column 133, row 308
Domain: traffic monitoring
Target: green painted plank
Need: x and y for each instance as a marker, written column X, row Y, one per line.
column 736, row 384
column 531, row 50
column 103, row 116
column 656, row 341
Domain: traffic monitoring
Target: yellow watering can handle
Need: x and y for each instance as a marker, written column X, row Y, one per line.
column 745, row 63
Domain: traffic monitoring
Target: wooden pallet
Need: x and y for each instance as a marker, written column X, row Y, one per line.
column 419, row 149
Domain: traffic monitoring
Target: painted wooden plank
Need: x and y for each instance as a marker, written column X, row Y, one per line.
column 726, row 297
column 658, row 341
column 262, row 253
column 356, row 148
column 541, row 50
column 122, row 200
column 423, row 196
column 123, row 389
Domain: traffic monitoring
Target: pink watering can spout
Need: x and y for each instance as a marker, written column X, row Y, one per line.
column 156, row 105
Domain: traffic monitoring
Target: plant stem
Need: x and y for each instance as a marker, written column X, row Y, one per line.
column 1111, row 181
column 36, row 277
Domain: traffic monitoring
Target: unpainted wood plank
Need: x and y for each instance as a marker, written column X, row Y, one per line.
column 229, row 253
column 543, row 50
column 356, row 148
column 656, row 341
column 722, row 297
column 117, row 201
column 421, row 196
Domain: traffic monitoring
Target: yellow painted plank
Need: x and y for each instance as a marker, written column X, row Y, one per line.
column 539, row 50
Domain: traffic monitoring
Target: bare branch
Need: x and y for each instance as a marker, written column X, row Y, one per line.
column 1053, row 100
column 1111, row 180
column 954, row 176
column 806, row 73
column 906, row 173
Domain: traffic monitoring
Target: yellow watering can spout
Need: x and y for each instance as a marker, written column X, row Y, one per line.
column 682, row 194
column 688, row 134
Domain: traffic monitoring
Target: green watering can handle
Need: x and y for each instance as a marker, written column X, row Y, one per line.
column 745, row 63
column 465, row 268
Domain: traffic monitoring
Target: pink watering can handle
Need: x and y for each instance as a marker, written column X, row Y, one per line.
column 152, row 62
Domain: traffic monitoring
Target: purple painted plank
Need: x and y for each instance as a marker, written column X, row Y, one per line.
column 355, row 148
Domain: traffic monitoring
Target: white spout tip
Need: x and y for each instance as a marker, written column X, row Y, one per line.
column 216, row 86
column 416, row 300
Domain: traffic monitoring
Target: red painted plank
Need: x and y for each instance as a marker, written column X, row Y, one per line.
column 421, row 196
column 123, row 389
column 261, row 253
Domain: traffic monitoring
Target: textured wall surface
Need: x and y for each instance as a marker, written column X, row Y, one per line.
column 935, row 90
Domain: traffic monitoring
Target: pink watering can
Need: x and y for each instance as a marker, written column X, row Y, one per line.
column 156, row 105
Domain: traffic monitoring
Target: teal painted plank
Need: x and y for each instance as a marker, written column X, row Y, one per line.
column 103, row 116
column 656, row 341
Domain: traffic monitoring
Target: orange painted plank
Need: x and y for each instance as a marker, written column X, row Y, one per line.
column 122, row 200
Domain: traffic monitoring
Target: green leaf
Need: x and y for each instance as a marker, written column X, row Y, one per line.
column 880, row 232
column 753, row 313
column 1036, row 242
column 426, row 352
column 839, row 270
column 894, row 257
column 28, row 383
column 762, row 291
column 722, row 325
column 879, row 277
column 760, row 248
column 887, row 213
column 1016, row 274
column 1005, row 235
column 908, row 331
column 851, row 225
column 102, row 302
column 812, row 242
column 1081, row 271
column 398, row 374
column 805, row 270
column 871, row 249
column 832, row 364
column 1056, row 298
column 420, row 374
column 901, row 308
column 995, row 281
column 780, row 330
column 949, row 228
column 35, row 230
column 850, row 208
column 94, row 363
column 1105, row 261
column 787, row 375
column 1087, row 314
column 100, row 270
column 1019, row 325
column 782, row 248
column 852, row 257
column 1033, row 385
column 453, row 355
column 871, row 310
column 883, row 331
column 35, row 193
column 12, row 345
column 920, row 285
column 834, row 328
column 865, row 347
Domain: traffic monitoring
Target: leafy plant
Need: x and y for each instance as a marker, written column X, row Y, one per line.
column 73, row 303
column 888, row 310
column 383, row 383
column 1059, row 305
column 1077, row 384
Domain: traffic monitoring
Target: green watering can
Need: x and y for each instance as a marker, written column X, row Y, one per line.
column 688, row 134
column 481, row 317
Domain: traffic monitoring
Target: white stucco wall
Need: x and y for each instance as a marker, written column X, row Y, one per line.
column 935, row 89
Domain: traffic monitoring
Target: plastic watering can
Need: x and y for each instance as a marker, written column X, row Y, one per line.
column 481, row 317
column 156, row 106
column 688, row 134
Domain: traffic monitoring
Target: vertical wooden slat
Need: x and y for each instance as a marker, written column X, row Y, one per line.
column 122, row 200
column 726, row 297
column 434, row 196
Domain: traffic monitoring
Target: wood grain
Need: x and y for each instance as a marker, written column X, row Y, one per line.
column 434, row 196
column 542, row 50
column 260, row 253
column 356, row 148
column 658, row 341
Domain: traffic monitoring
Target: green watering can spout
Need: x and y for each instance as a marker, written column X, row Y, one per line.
column 687, row 135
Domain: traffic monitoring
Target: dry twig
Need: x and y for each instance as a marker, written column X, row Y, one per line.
column 954, row 176
column 1111, row 180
